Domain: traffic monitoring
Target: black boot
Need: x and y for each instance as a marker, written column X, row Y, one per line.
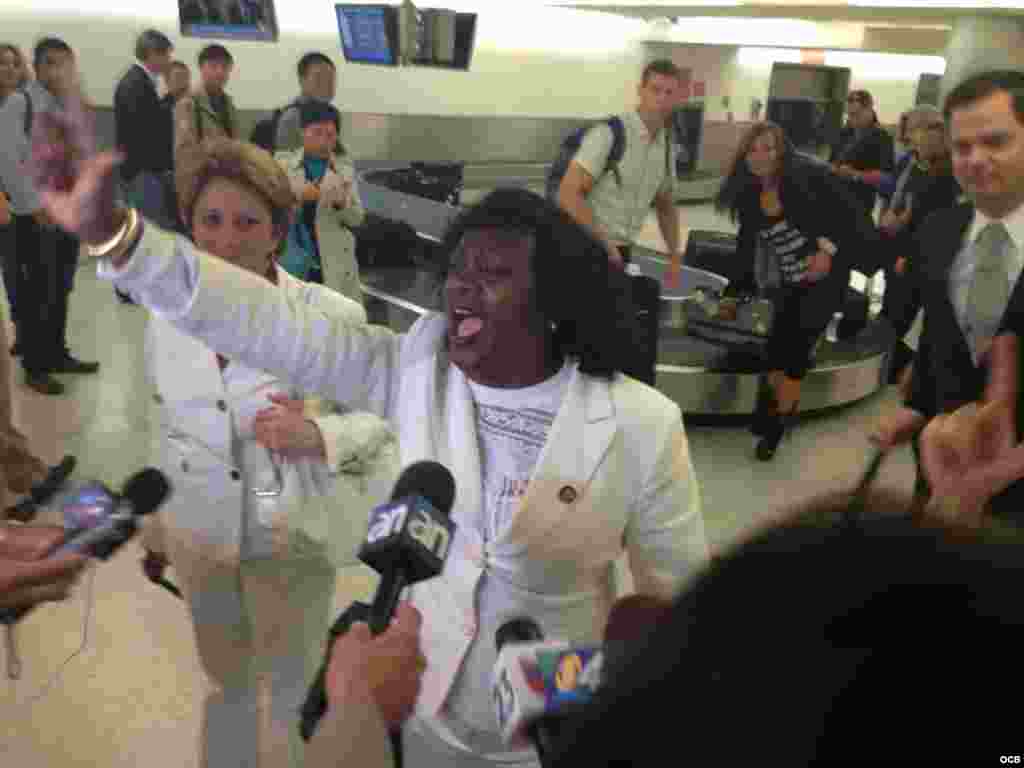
column 775, row 430
column 765, row 410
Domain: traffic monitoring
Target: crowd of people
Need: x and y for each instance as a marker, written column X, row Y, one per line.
column 274, row 394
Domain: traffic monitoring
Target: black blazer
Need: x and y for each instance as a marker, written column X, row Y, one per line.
column 874, row 151
column 817, row 203
column 144, row 129
column 945, row 376
column 929, row 194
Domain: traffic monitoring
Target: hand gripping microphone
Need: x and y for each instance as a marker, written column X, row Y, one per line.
column 407, row 541
column 98, row 521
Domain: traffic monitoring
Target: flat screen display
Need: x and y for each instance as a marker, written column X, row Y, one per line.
column 443, row 38
column 368, row 33
column 228, row 19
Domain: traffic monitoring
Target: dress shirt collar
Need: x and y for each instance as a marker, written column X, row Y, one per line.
column 154, row 78
column 1014, row 223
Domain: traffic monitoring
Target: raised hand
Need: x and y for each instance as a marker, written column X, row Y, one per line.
column 971, row 455
column 77, row 185
column 284, row 430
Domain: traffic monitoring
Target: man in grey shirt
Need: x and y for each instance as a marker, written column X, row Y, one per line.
column 614, row 206
column 318, row 81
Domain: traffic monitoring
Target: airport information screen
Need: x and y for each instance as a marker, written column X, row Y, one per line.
column 364, row 34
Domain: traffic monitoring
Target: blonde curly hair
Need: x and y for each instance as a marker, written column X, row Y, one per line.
column 241, row 162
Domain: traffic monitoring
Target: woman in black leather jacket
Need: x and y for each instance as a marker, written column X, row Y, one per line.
column 796, row 217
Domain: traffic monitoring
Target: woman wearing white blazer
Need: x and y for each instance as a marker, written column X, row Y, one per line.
column 561, row 463
column 265, row 491
column 324, row 183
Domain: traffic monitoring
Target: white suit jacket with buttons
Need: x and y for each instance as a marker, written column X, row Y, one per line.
column 614, row 476
column 199, row 439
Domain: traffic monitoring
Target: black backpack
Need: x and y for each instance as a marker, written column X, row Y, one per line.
column 571, row 145
column 264, row 133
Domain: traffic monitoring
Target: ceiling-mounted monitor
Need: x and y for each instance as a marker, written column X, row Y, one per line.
column 228, row 19
column 437, row 37
column 369, row 33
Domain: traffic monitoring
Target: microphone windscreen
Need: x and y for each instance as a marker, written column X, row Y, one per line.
column 430, row 480
column 146, row 490
column 517, row 631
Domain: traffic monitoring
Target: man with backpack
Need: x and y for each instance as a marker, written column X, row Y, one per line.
column 608, row 176
column 210, row 112
column 282, row 130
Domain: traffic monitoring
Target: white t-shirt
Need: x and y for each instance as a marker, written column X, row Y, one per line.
column 512, row 426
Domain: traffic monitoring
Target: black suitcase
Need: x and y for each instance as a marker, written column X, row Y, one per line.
column 716, row 253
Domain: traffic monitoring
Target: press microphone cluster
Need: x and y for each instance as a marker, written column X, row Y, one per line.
column 407, row 541
column 97, row 520
column 539, row 685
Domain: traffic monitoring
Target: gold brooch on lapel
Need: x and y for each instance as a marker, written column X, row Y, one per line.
column 567, row 495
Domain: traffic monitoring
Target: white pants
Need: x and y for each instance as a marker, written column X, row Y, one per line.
column 260, row 629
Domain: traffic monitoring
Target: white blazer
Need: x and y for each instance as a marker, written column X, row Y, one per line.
column 201, row 438
column 614, row 476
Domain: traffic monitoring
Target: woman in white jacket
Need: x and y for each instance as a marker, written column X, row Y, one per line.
column 260, row 477
column 562, row 464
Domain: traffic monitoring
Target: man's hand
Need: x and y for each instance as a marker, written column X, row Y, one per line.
column 847, row 171
column 25, row 578
column 893, row 223
column 5, row 210
column 971, row 455
column 675, row 268
column 820, row 263
column 310, row 193
column 901, row 265
column 897, row 427
column 284, row 429
column 388, row 667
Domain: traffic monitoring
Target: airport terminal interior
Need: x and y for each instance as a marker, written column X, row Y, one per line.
column 495, row 111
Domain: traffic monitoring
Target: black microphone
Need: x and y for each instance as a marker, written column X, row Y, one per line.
column 407, row 541
column 98, row 521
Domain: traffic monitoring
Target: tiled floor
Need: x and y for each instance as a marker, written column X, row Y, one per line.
column 131, row 698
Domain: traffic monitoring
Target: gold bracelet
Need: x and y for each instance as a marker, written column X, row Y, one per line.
column 136, row 225
column 104, row 249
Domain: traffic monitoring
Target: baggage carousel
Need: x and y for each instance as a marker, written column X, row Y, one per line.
column 704, row 366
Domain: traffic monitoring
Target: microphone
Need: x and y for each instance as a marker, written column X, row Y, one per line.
column 98, row 521
column 539, row 685
column 407, row 541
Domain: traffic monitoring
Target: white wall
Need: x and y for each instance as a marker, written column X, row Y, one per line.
column 708, row 63
column 891, row 78
column 541, row 62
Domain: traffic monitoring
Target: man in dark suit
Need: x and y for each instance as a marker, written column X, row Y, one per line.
column 145, row 132
column 969, row 260
column 865, row 149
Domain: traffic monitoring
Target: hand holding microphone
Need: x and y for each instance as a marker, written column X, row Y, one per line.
column 387, row 667
column 407, row 541
column 98, row 521
column 27, row 576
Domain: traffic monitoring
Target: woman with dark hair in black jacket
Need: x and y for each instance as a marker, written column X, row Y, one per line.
column 796, row 218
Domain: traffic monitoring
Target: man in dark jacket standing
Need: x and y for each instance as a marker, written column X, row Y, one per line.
column 865, row 149
column 145, row 132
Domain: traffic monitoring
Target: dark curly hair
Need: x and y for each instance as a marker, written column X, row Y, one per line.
column 575, row 289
